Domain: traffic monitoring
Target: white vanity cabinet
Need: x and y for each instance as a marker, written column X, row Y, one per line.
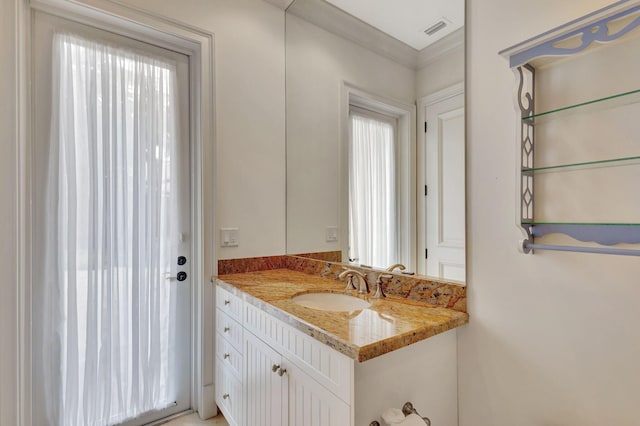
column 283, row 378
column 278, row 376
column 268, row 373
column 229, row 357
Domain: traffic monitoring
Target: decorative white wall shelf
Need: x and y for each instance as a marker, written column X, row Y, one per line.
column 581, row 36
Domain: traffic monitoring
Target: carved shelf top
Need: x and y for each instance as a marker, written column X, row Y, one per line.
column 599, row 27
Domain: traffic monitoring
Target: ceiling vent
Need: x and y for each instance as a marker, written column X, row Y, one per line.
column 441, row 24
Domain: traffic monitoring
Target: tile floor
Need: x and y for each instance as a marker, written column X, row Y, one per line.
column 194, row 420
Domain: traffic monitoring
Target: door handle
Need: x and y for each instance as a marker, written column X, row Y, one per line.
column 181, row 276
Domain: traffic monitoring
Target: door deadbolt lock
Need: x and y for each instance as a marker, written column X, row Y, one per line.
column 182, row 260
column 181, row 276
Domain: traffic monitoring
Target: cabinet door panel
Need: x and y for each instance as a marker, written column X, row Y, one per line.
column 266, row 390
column 329, row 367
column 311, row 404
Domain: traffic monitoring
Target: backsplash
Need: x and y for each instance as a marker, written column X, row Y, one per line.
column 419, row 289
column 329, row 256
column 251, row 264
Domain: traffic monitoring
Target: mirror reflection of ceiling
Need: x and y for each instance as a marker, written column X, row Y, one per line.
column 408, row 20
column 391, row 28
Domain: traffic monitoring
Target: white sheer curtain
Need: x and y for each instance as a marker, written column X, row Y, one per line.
column 108, row 349
column 373, row 221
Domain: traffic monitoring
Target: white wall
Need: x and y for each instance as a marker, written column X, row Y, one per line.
column 444, row 72
column 250, row 108
column 317, row 64
column 553, row 337
column 8, row 219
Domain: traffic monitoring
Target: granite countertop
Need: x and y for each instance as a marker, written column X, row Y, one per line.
column 388, row 324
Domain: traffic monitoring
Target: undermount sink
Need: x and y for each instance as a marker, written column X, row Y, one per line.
column 336, row 302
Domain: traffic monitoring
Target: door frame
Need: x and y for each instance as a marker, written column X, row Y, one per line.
column 421, row 202
column 405, row 114
column 198, row 45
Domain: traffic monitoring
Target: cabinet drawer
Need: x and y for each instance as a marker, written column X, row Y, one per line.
column 229, row 396
column 229, row 358
column 229, row 303
column 330, row 368
column 229, row 329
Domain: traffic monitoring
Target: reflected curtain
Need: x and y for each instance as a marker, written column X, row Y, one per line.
column 373, row 238
column 106, row 319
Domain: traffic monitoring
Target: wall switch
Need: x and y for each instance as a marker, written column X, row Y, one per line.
column 228, row 237
column 332, row 234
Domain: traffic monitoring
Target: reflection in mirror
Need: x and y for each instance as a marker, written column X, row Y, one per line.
column 373, row 226
column 362, row 77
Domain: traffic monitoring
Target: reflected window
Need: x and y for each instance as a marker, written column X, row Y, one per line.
column 373, row 204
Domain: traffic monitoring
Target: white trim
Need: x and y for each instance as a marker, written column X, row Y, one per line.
column 441, row 95
column 368, row 113
column 23, row 138
column 434, row 52
column 423, row 103
column 198, row 44
column 336, row 21
column 406, row 137
column 280, row 4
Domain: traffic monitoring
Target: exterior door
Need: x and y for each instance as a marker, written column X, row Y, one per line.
column 445, row 193
column 111, row 305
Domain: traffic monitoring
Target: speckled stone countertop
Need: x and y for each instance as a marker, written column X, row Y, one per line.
column 388, row 324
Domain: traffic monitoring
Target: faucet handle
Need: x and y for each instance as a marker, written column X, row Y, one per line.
column 348, row 274
column 352, row 274
column 350, row 283
column 379, row 293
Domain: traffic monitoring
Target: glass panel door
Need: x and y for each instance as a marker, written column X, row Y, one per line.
column 111, row 288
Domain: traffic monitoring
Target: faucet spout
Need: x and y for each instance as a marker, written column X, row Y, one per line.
column 379, row 292
column 399, row 266
column 351, row 274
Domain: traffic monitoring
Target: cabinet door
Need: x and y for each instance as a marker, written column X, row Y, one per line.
column 311, row 404
column 266, row 389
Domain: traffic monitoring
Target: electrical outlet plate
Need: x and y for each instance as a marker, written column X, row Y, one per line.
column 228, row 237
column 331, row 234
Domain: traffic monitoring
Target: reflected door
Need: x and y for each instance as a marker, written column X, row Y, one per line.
column 445, row 193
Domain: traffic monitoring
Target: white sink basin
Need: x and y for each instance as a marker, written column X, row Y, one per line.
column 331, row 302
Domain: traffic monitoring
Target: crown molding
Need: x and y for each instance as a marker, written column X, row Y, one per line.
column 342, row 24
column 280, row 4
column 437, row 50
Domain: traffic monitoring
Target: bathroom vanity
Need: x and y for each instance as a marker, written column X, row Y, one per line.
column 281, row 363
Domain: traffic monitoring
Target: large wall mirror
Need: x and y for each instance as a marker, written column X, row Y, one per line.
column 364, row 178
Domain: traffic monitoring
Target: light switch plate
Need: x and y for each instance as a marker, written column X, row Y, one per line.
column 228, row 237
column 331, row 234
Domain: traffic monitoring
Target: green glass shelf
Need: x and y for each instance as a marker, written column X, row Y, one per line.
column 583, row 165
column 602, row 103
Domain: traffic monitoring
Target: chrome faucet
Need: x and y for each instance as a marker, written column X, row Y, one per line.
column 351, row 274
column 400, row 266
